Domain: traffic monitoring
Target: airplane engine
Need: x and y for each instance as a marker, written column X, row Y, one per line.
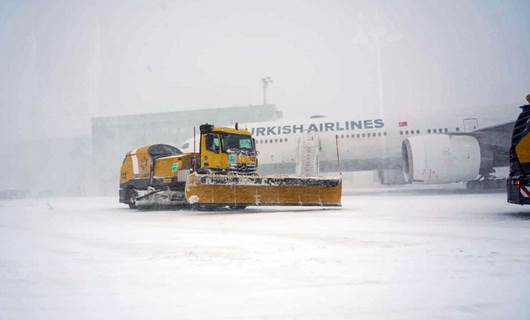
column 440, row 158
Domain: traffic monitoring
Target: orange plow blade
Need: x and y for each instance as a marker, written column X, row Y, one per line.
column 239, row 190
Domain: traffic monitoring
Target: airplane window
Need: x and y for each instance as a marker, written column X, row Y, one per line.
column 358, row 135
column 275, row 140
column 407, row 132
column 434, row 130
column 401, row 132
column 363, row 135
column 428, row 130
column 418, row 131
column 285, row 140
column 342, row 136
column 457, row 129
column 379, row 133
column 347, row 136
column 440, row 130
column 445, row 130
column 384, row 133
column 281, row 140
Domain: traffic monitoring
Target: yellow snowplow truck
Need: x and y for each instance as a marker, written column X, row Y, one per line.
column 518, row 182
column 222, row 174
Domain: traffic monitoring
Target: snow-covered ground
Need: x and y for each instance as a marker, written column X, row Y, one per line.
column 432, row 254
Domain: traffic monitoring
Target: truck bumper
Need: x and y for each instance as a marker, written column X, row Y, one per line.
column 518, row 190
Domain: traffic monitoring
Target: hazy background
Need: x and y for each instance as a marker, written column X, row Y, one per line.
column 65, row 61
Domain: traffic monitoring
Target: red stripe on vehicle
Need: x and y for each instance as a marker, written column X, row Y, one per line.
column 525, row 191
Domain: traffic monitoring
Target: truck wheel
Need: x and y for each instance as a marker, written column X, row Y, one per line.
column 131, row 198
column 237, row 207
column 203, row 207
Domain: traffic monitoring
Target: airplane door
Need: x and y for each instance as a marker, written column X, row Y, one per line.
column 307, row 162
column 470, row 124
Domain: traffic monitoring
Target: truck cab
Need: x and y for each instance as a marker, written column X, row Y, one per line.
column 227, row 150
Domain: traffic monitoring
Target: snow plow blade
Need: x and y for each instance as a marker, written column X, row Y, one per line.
column 239, row 190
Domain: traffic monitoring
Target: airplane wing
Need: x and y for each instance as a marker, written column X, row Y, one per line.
column 495, row 143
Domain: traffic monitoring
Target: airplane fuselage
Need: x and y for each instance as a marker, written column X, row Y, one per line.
column 366, row 144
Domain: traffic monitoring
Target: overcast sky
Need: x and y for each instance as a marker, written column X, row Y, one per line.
column 64, row 61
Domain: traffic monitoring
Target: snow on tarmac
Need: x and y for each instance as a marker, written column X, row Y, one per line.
column 397, row 255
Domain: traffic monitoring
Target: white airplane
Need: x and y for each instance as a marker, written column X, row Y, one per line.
column 431, row 148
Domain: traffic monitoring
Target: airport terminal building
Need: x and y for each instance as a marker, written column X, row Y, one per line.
column 113, row 136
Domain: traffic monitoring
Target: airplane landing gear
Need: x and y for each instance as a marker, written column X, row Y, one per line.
column 486, row 183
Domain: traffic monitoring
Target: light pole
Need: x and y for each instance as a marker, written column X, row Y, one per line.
column 265, row 83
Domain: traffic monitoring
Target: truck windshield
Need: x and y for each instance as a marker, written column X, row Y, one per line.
column 240, row 142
